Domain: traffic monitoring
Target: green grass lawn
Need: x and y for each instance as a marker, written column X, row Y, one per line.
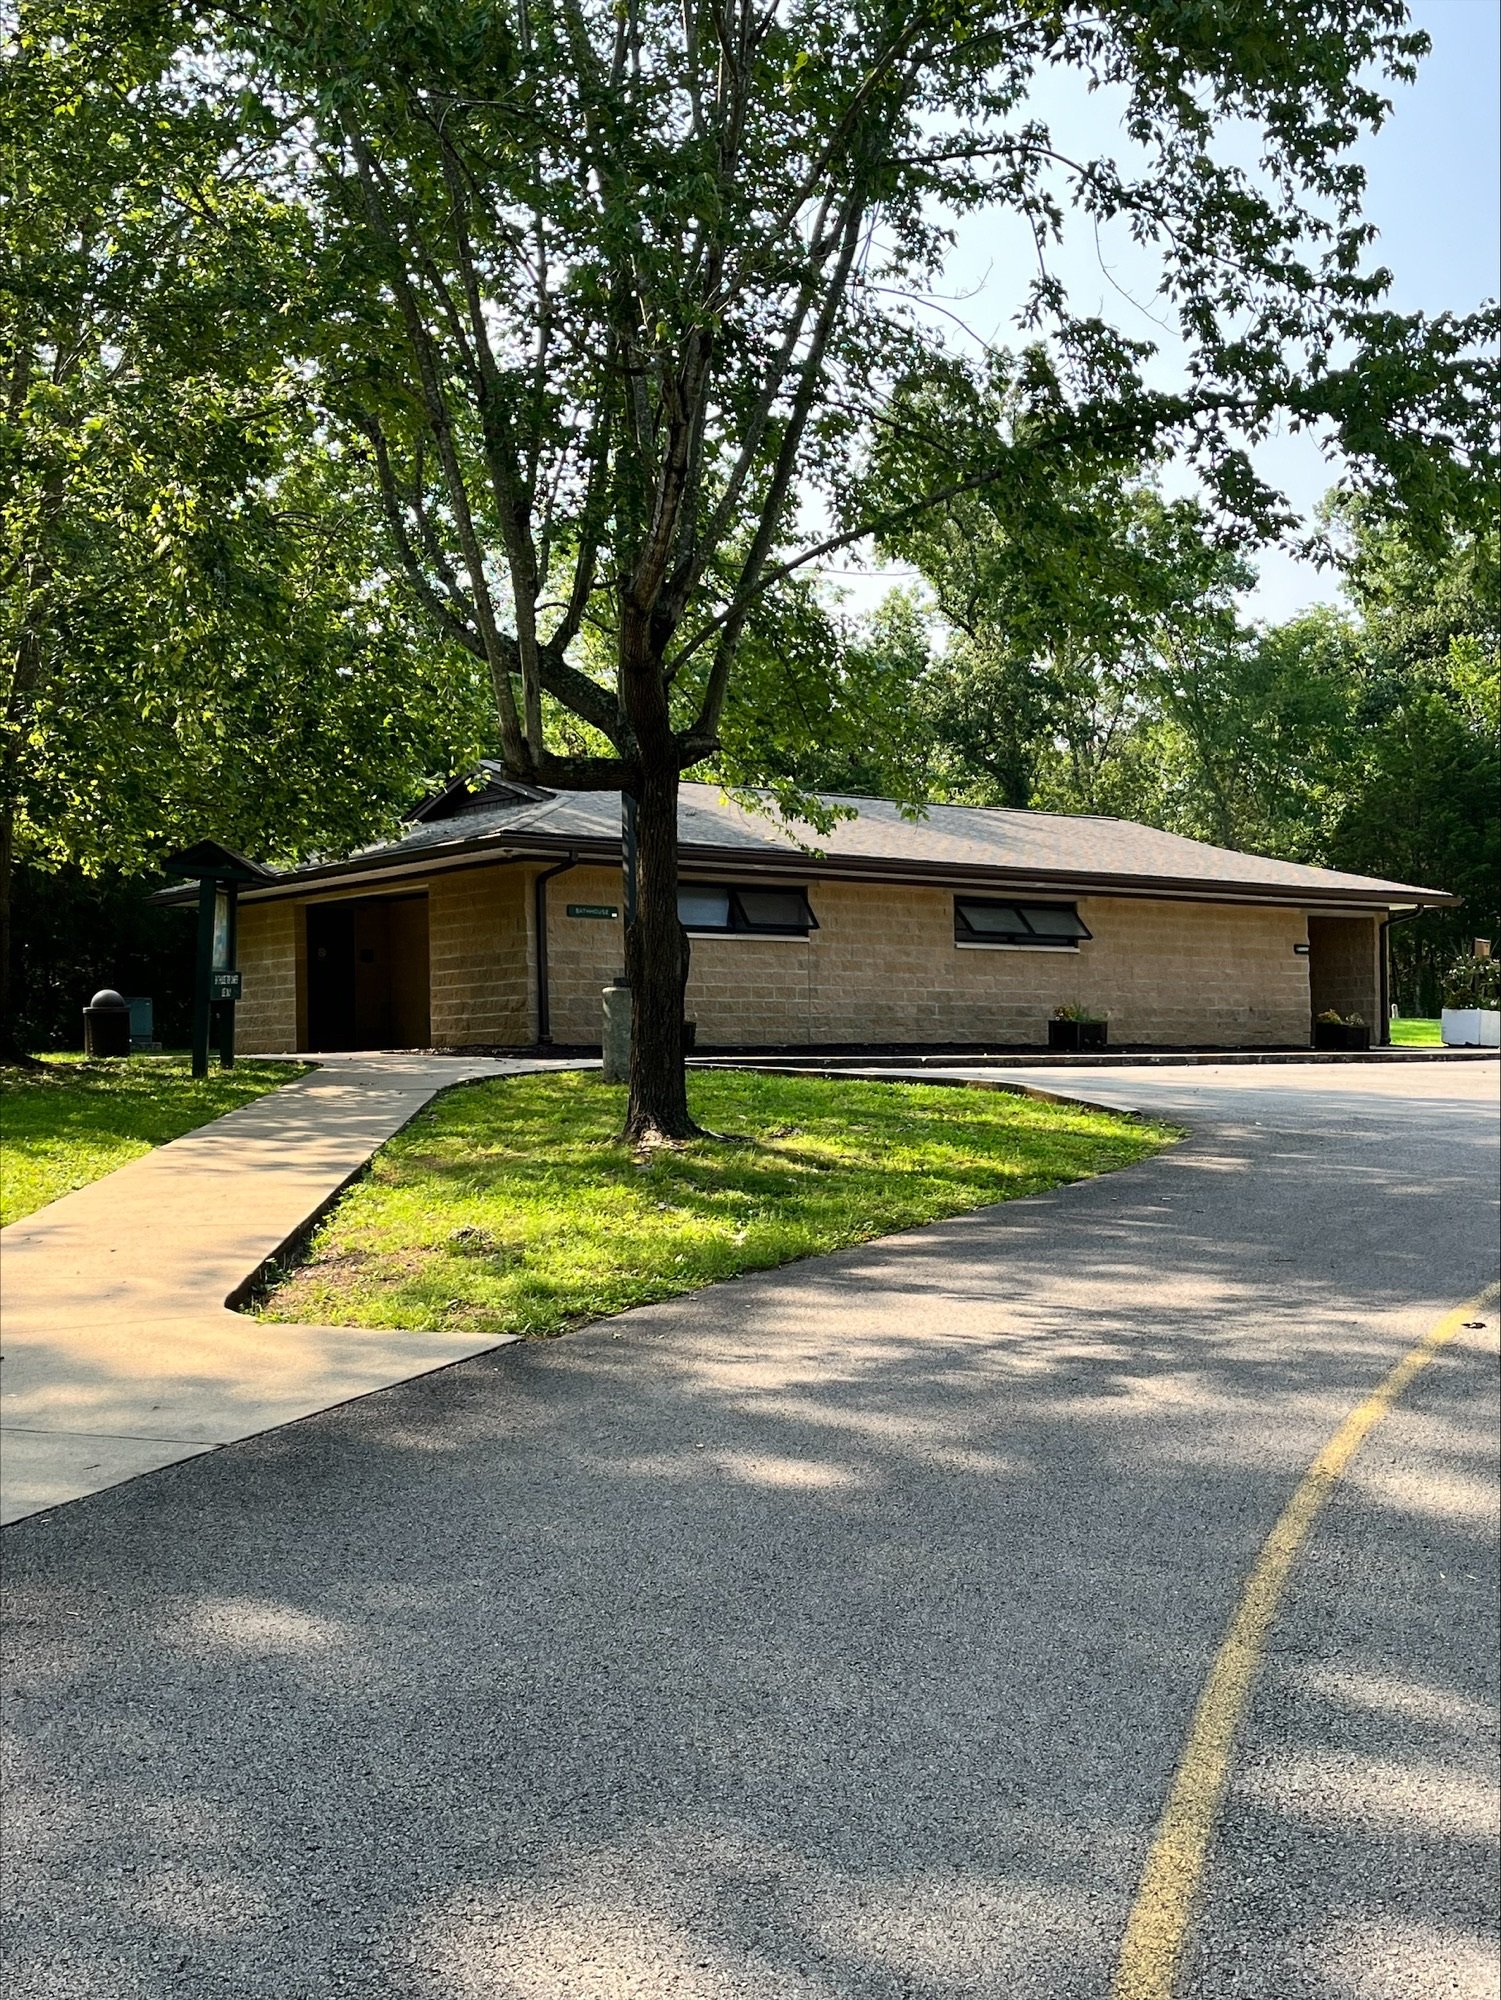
column 509, row 1207
column 1415, row 1034
column 72, row 1121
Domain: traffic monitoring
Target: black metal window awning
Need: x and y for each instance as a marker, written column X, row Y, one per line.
column 977, row 920
column 733, row 908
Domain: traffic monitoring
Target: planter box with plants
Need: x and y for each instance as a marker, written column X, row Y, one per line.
column 1471, row 1017
column 1341, row 1031
column 1073, row 1029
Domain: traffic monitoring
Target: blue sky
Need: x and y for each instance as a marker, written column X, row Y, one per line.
column 1434, row 194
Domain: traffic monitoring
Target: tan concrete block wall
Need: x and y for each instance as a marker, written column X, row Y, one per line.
column 1212, row 974
column 480, row 952
column 758, row 990
column 885, row 970
column 583, row 953
column 883, row 967
column 271, row 945
column 739, row 990
column 1344, row 966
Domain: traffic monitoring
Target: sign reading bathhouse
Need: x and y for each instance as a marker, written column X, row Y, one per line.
column 593, row 910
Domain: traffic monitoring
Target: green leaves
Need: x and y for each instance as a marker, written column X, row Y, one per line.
column 197, row 634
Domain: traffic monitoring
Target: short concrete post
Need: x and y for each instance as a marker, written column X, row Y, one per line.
column 617, row 1036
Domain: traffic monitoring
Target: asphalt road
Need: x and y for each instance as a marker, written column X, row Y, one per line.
column 833, row 1634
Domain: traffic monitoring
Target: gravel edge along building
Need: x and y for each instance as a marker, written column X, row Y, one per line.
column 495, row 920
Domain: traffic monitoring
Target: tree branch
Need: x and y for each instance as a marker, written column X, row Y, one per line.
column 439, row 422
column 443, row 612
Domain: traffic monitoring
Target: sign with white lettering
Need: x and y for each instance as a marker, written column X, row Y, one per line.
column 592, row 910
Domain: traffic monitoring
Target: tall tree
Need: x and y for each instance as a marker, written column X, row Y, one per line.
column 1420, row 795
column 195, row 632
column 827, row 703
column 1363, row 736
column 627, row 285
column 1059, row 625
column 1247, row 728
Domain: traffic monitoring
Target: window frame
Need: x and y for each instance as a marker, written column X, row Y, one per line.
column 740, row 925
column 968, row 939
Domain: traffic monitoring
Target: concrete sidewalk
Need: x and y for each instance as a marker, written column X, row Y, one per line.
column 120, row 1353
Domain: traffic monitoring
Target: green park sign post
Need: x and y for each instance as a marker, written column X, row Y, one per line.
column 221, row 874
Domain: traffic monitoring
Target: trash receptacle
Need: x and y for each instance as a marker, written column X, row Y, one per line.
column 106, row 1025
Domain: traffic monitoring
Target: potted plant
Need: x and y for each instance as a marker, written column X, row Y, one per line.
column 1471, row 1017
column 1074, row 1027
column 1333, row 1030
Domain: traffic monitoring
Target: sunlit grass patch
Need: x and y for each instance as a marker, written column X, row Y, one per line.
column 72, row 1121
column 509, row 1206
column 1409, row 1032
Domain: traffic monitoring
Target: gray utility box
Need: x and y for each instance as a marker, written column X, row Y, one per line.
column 142, row 1024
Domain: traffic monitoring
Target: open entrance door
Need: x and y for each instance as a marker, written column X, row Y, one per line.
column 1344, row 969
column 367, row 973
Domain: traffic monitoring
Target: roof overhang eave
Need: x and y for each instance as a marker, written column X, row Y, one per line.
column 386, row 865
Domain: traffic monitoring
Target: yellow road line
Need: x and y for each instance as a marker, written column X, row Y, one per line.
column 1166, row 1895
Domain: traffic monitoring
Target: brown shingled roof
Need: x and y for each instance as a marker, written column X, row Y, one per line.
column 962, row 845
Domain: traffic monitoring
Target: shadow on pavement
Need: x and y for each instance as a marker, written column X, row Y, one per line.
column 831, row 1633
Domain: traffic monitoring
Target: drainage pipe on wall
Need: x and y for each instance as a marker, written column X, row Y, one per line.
column 539, row 912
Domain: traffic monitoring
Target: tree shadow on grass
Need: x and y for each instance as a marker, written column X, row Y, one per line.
column 592, row 1226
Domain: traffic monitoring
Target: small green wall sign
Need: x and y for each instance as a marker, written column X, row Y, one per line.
column 592, row 910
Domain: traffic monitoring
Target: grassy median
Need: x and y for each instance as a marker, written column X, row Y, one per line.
column 509, row 1207
column 70, row 1122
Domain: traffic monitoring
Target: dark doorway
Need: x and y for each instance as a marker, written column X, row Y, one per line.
column 1344, row 969
column 367, row 973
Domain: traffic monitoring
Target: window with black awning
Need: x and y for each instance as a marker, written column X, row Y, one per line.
column 736, row 909
column 978, row 920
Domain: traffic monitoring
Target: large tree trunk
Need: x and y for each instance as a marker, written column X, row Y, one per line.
column 656, row 962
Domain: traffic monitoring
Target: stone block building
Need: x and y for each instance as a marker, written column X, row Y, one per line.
column 495, row 920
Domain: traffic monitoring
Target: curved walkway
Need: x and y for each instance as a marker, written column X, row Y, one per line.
column 120, row 1353
column 832, row 1634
